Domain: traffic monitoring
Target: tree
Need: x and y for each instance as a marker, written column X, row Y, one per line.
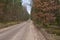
column 46, row 11
column 13, row 11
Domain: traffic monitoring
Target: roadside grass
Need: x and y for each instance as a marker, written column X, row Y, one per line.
column 7, row 24
column 52, row 29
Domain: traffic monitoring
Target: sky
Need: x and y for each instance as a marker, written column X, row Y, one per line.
column 28, row 5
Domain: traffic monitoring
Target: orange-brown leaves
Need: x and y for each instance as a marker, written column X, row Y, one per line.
column 44, row 10
column 46, row 18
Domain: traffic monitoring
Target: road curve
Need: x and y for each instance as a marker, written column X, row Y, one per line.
column 22, row 31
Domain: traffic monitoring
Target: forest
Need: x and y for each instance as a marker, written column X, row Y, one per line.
column 46, row 14
column 12, row 11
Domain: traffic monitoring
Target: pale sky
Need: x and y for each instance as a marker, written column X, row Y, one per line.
column 27, row 4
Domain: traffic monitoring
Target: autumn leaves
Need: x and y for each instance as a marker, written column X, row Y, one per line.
column 45, row 11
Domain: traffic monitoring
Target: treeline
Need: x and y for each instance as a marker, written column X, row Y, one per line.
column 12, row 10
column 46, row 12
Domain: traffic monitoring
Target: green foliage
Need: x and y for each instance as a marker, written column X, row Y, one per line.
column 13, row 11
column 2, row 1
